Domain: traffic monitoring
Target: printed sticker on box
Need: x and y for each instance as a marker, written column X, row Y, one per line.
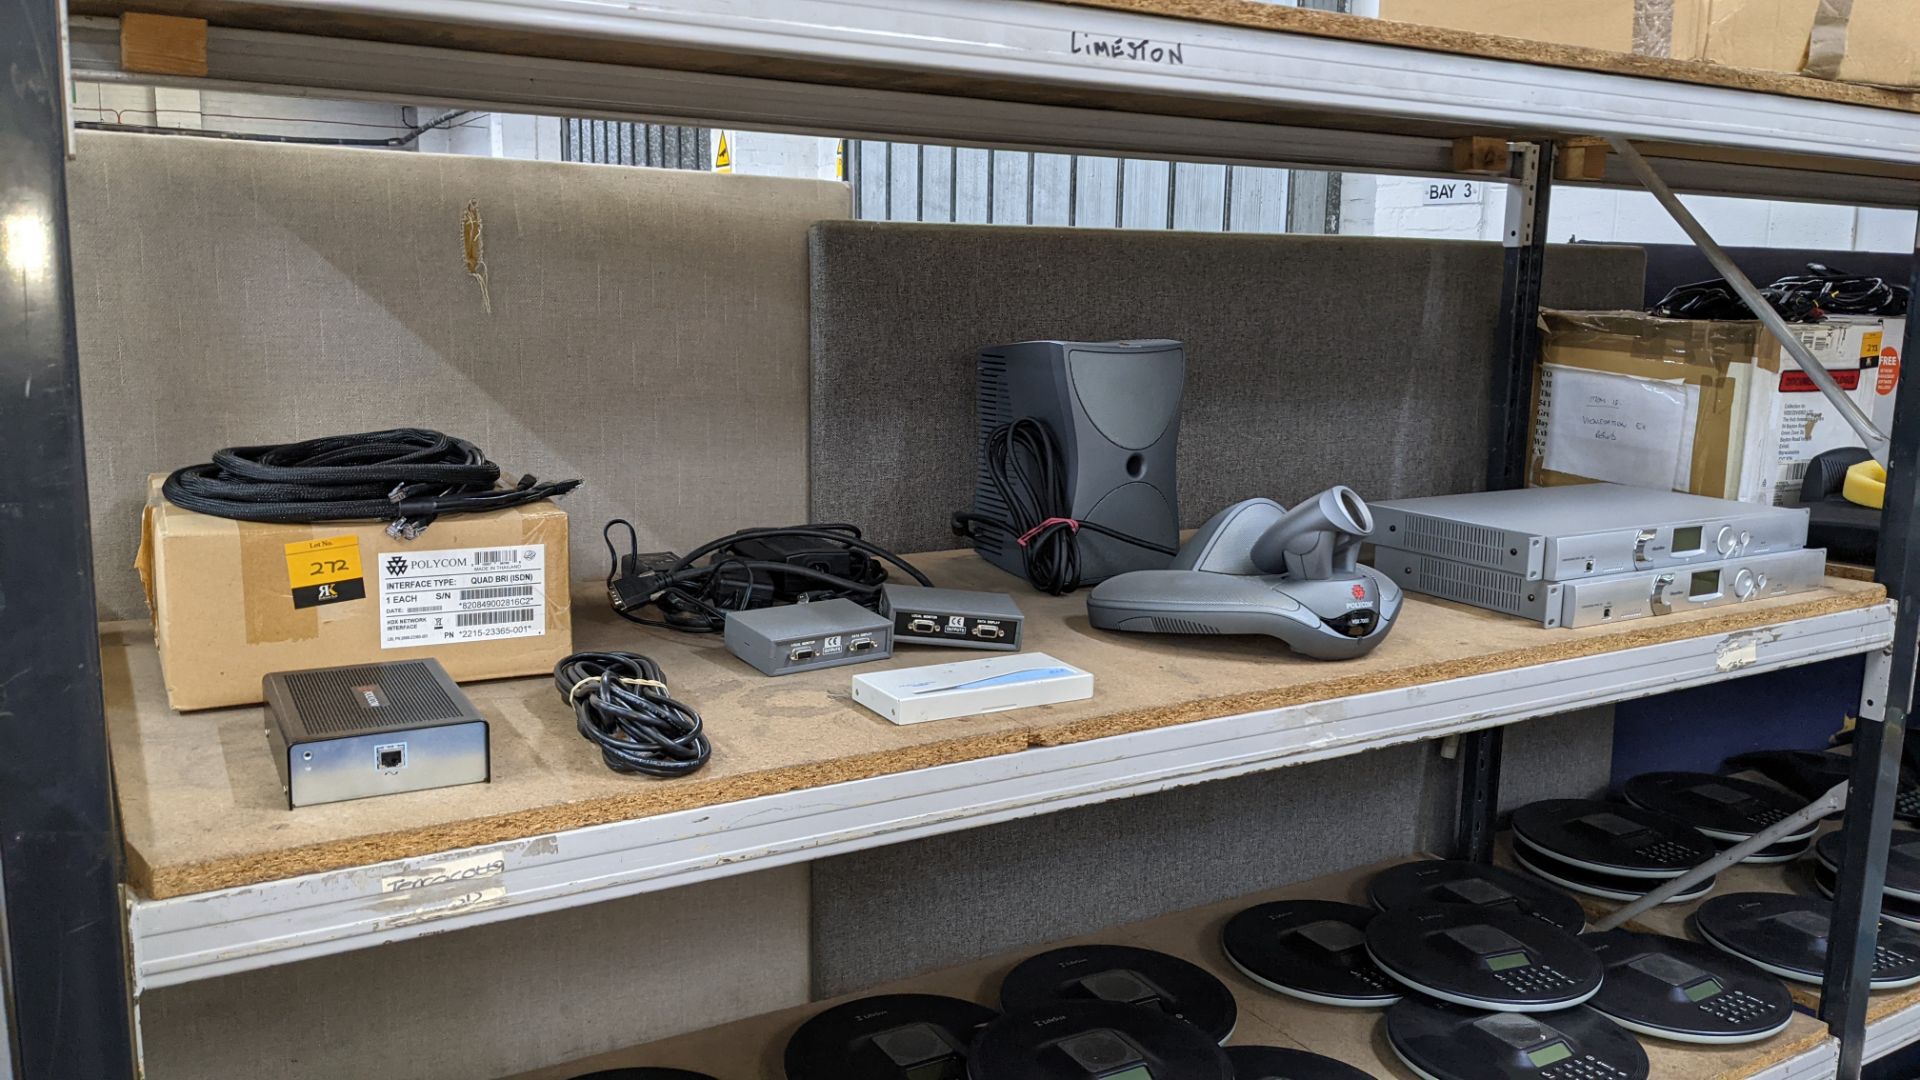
column 325, row 571
column 459, row 596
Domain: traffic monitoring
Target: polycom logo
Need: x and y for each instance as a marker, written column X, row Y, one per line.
column 1359, row 592
column 396, row 566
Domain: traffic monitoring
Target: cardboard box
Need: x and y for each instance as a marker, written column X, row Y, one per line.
column 1865, row 41
column 1767, row 35
column 1861, row 41
column 1715, row 407
column 485, row 594
column 1858, row 351
column 1595, row 24
column 1637, row 399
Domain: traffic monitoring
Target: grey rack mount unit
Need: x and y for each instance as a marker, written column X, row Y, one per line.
column 1615, row 598
column 1584, row 530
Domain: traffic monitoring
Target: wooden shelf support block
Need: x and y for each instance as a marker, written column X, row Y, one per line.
column 163, row 44
column 1580, row 159
column 1482, row 154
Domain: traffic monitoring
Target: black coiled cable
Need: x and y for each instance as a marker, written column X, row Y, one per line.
column 406, row 476
column 621, row 705
column 1029, row 473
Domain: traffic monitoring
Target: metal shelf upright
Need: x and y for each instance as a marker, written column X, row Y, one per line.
column 62, row 956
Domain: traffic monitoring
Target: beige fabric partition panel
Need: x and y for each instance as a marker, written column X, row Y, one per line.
column 647, row 331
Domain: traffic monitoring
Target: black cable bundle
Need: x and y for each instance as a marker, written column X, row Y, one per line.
column 1808, row 297
column 408, row 476
column 1713, row 300
column 1836, row 292
column 1029, row 472
column 695, row 597
column 620, row 703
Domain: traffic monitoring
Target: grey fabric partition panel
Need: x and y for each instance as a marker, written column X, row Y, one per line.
column 1311, row 360
column 1557, row 757
column 894, row 911
column 500, row 998
column 890, row 912
column 647, row 330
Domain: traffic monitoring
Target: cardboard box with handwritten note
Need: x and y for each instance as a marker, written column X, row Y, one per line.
column 1636, row 399
column 1714, row 408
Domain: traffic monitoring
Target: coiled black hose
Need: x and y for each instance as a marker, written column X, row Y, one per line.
column 406, row 476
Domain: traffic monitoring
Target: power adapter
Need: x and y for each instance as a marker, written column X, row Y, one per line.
column 637, row 577
column 810, row 553
column 746, row 570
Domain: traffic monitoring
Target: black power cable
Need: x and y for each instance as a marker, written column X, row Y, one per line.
column 1836, row 292
column 1029, row 473
column 695, row 597
column 1820, row 292
column 406, row 476
column 621, row 704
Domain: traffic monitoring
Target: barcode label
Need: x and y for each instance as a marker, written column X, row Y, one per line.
column 493, row 618
column 436, row 599
column 1786, row 485
column 496, row 593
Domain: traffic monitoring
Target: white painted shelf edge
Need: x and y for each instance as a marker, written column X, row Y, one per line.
column 182, row 939
column 1298, row 82
column 1821, row 1062
column 1884, row 1036
column 1891, row 1033
column 1184, row 59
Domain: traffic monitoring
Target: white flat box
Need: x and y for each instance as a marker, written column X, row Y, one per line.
column 995, row 684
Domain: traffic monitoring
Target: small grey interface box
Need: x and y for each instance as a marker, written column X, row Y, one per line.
column 955, row 618
column 792, row 638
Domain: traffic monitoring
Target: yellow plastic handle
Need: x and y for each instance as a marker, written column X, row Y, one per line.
column 1866, row 484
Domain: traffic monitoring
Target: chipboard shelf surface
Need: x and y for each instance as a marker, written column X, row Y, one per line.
column 275, row 917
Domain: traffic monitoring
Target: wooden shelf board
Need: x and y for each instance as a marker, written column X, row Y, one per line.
column 203, row 808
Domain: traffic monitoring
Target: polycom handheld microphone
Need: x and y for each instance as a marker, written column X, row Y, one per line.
column 1257, row 568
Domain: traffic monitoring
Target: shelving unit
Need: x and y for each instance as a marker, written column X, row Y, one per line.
column 1247, row 83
